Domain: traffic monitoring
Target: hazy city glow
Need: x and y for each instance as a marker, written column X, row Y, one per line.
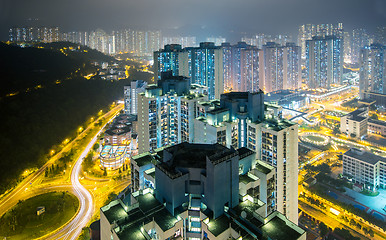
column 193, row 120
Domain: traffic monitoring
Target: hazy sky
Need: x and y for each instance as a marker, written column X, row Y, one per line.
column 204, row 17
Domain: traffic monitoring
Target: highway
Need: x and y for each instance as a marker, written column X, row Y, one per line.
column 86, row 200
column 27, row 188
column 86, row 207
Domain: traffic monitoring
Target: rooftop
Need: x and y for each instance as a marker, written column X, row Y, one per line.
column 114, row 211
column 364, row 156
column 245, row 179
column 148, row 209
column 244, row 152
column 219, row 225
column 277, row 125
column 358, row 115
column 143, row 159
column 262, row 168
column 286, row 232
column 383, row 123
column 194, row 155
column 121, row 125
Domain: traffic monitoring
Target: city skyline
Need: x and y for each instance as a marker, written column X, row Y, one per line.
column 193, row 120
column 195, row 18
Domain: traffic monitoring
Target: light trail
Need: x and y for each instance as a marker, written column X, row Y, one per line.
column 86, row 208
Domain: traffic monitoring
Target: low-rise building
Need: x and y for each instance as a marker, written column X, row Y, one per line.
column 354, row 124
column 119, row 141
column 365, row 168
column 376, row 126
column 293, row 99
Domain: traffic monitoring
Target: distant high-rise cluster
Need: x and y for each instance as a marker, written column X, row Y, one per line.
column 189, row 41
column 360, row 38
column 34, row 34
column 324, row 61
column 138, row 43
column 239, row 67
column 308, row 31
column 261, row 39
column 203, row 65
column 372, row 76
column 216, row 40
column 281, row 67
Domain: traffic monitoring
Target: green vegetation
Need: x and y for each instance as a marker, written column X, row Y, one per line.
column 22, row 222
column 351, row 104
column 38, row 119
column 112, row 196
column 87, row 162
column 323, row 229
column 315, row 138
column 321, row 191
column 85, row 235
column 344, row 233
column 374, row 116
column 370, row 193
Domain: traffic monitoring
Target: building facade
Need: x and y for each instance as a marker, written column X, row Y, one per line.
column 308, row 31
column 376, row 127
column 201, row 191
column 119, row 142
column 203, row 65
column 167, row 59
column 324, row 62
column 237, row 121
column 354, row 124
column 241, row 67
column 360, row 39
column 281, row 67
column 276, row 143
column 166, row 112
column 131, row 95
column 372, row 75
column 365, row 168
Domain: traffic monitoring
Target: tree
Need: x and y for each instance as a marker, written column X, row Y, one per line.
column 111, row 197
column 323, row 229
column 104, row 172
column 371, row 232
column 374, row 116
column 336, row 130
column 95, row 147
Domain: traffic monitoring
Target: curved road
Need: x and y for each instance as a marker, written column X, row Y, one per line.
column 26, row 190
column 86, row 200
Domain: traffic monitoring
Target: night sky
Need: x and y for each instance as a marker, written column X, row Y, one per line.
column 195, row 17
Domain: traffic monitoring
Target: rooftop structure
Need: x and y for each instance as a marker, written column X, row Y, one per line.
column 200, row 191
column 118, row 142
column 287, row 98
column 365, row 168
column 355, row 123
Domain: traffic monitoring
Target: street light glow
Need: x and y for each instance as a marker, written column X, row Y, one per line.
column 334, row 211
